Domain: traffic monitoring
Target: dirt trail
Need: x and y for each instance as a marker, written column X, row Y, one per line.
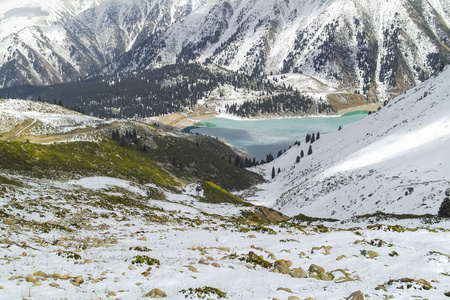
column 19, row 133
column 19, row 130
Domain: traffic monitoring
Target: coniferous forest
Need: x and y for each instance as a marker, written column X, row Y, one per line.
column 166, row 90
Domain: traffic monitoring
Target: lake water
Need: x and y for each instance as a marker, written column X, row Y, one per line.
column 260, row 137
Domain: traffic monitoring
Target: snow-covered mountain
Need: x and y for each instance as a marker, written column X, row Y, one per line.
column 374, row 49
column 394, row 161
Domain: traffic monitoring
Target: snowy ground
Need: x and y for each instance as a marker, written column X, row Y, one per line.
column 395, row 160
column 53, row 234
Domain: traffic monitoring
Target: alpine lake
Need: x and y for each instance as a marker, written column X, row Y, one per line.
column 261, row 137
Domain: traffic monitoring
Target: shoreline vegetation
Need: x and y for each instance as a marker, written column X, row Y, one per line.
column 179, row 121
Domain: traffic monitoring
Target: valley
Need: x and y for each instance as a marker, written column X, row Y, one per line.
column 125, row 209
column 135, row 140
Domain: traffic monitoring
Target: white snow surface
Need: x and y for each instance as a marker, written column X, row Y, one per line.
column 188, row 239
column 394, row 161
column 51, row 118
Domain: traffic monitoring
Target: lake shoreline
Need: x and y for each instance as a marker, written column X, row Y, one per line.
column 180, row 121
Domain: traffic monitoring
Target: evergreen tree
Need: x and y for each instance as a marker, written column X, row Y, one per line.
column 308, row 138
column 174, row 162
column 302, row 154
column 317, row 136
column 340, row 128
column 310, row 150
column 313, row 138
column 279, row 170
column 237, row 161
column 297, row 160
column 180, row 166
column 273, row 172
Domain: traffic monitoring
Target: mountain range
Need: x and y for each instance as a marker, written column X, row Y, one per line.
column 368, row 51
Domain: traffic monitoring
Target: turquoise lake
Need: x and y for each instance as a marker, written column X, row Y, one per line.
column 260, row 137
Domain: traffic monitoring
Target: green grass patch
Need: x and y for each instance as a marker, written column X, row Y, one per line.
column 144, row 259
column 4, row 180
column 303, row 218
column 204, row 292
column 256, row 260
column 63, row 160
column 212, row 193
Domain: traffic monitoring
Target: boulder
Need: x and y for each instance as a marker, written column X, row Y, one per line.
column 282, row 266
column 155, row 293
column 316, row 269
column 76, row 281
column 299, row 273
column 358, row 295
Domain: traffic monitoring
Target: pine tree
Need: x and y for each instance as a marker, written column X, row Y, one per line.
column 317, row 136
column 302, row 154
column 340, row 128
column 310, row 150
column 297, row 160
column 313, row 138
column 237, row 161
column 273, row 172
column 174, row 162
column 180, row 166
column 308, row 138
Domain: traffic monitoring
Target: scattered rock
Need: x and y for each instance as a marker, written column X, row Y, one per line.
column 64, row 277
column 272, row 256
column 358, row 295
column 155, row 293
column 215, row 265
column 142, row 239
column 147, row 272
column 37, row 283
column 318, row 272
column 284, row 289
column 299, row 273
column 316, row 269
column 6, row 241
column 282, row 266
column 2, row 287
column 14, row 277
column 132, row 268
column 369, row 254
column 77, row 280
column 9, row 221
column 193, row 269
column 111, row 294
column 54, row 284
column 341, row 257
column 40, row 273
column 30, row 279
column 293, row 298
column 326, row 248
column 251, row 236
column 381, row 287
column 203, row 261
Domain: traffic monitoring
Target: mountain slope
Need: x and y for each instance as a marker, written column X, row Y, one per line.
column 394, row 161
column 376, row 50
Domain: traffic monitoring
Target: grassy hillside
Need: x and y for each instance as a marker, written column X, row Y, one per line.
column 66, row 160
column 202, row 159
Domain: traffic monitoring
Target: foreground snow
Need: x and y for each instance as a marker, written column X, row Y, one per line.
column 53, row 234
